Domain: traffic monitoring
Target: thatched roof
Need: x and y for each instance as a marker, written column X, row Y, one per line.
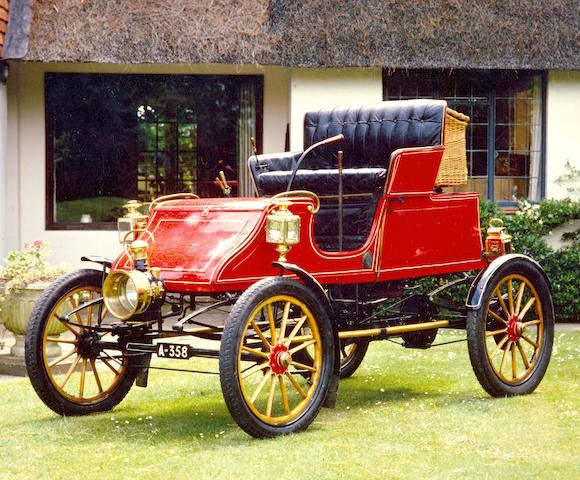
column 538, row 34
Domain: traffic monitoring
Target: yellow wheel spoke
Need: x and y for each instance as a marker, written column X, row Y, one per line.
column 75, row 305
column 496, row 316
column 284, row 394
column 62, row 359
column 530, row 341
column 69, row 327
column 260, row 334
column 531, row 322
column 255, row 369
column 511, row 296
column 504, row 357
column 502, row 303
column 70, row 371
column 97, row 379
column 61, row 340
column 302, row 366
column 113, row 369
column 271, row 396
column 514, row 365
column 522, row 314
column 302, row 346
column 523, row 354
column 255, row 352
column 272, row 323
column 260, row 386
column 83, row 375
column 90, row 311
column 519, row 298
column 295, row 330
column 296, row 384
column 284, row 320
column 495, row 332
column 301, row 338
column 498, row 347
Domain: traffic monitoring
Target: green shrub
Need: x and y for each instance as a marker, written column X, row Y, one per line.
column 564, row 272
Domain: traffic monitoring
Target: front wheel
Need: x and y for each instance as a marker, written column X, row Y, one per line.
column 267, row 386
column 510, row 336
column 76, row 367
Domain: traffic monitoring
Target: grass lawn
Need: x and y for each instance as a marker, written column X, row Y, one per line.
column 405, row 414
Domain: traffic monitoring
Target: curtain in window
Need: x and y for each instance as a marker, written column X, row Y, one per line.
column 535, row 146
column 246, row 130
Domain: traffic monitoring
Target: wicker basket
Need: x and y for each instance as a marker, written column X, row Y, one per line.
column 453, row 169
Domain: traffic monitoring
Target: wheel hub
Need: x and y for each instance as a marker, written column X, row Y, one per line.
column 515, row 328
column 280, row 359
column 88, row 345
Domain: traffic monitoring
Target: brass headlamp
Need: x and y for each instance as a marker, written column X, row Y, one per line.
column 128, row 293
column 283, row 228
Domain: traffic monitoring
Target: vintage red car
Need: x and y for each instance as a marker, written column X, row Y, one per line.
column 324, row 261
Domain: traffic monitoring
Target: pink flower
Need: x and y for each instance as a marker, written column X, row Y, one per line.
column 37, row 243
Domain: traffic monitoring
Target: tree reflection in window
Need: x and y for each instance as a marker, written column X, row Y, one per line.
column 111, row 138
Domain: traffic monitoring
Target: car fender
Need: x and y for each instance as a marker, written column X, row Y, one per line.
column 479, row 285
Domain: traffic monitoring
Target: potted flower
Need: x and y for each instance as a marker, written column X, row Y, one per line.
column 23, row 277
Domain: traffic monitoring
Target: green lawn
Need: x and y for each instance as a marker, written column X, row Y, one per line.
column 405, row 414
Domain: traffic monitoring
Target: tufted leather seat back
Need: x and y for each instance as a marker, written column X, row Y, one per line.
column 373, row 132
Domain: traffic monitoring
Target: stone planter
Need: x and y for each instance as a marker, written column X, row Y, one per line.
column 15, row 313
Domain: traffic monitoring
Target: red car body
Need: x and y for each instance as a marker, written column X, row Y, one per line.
column 217, row 245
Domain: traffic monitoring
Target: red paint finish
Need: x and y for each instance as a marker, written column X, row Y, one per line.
column 216, row 245
column 514, row 328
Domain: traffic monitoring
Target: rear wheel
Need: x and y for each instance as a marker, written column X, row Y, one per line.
column 352, row 353
column 510, row 336
column 71, row 370
column 267, row 385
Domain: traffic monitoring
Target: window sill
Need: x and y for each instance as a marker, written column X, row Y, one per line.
column 94, row 226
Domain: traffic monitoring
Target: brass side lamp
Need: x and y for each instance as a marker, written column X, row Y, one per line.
column 283, row 229
column 133, row 220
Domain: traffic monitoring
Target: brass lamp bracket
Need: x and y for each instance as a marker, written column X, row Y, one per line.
column 132, row 250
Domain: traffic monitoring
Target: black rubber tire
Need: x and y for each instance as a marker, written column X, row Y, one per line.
column 34, row 353
column 350, row 365
column 230, row 349
column 476, row 327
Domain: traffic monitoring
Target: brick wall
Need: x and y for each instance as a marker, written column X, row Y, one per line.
column 4, row 5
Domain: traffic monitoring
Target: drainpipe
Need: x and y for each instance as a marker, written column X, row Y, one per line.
column 15, row 47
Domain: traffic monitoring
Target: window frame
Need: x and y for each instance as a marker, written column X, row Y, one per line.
column 491, row 93
column 49, row 135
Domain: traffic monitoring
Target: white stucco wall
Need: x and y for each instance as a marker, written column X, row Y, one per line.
column 563, row 132
column 25, row 187
column 314, row 88
column 3, row 140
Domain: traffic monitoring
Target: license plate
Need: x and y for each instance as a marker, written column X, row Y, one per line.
column 173, row 350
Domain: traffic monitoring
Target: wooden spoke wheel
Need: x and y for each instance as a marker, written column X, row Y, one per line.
column 510, row 336
column 352, row 353
column 74, row 368
column 269, row 386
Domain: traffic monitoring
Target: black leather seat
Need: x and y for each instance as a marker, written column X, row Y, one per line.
column 372, row 133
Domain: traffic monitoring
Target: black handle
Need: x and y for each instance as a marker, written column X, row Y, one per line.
column 326, row 141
